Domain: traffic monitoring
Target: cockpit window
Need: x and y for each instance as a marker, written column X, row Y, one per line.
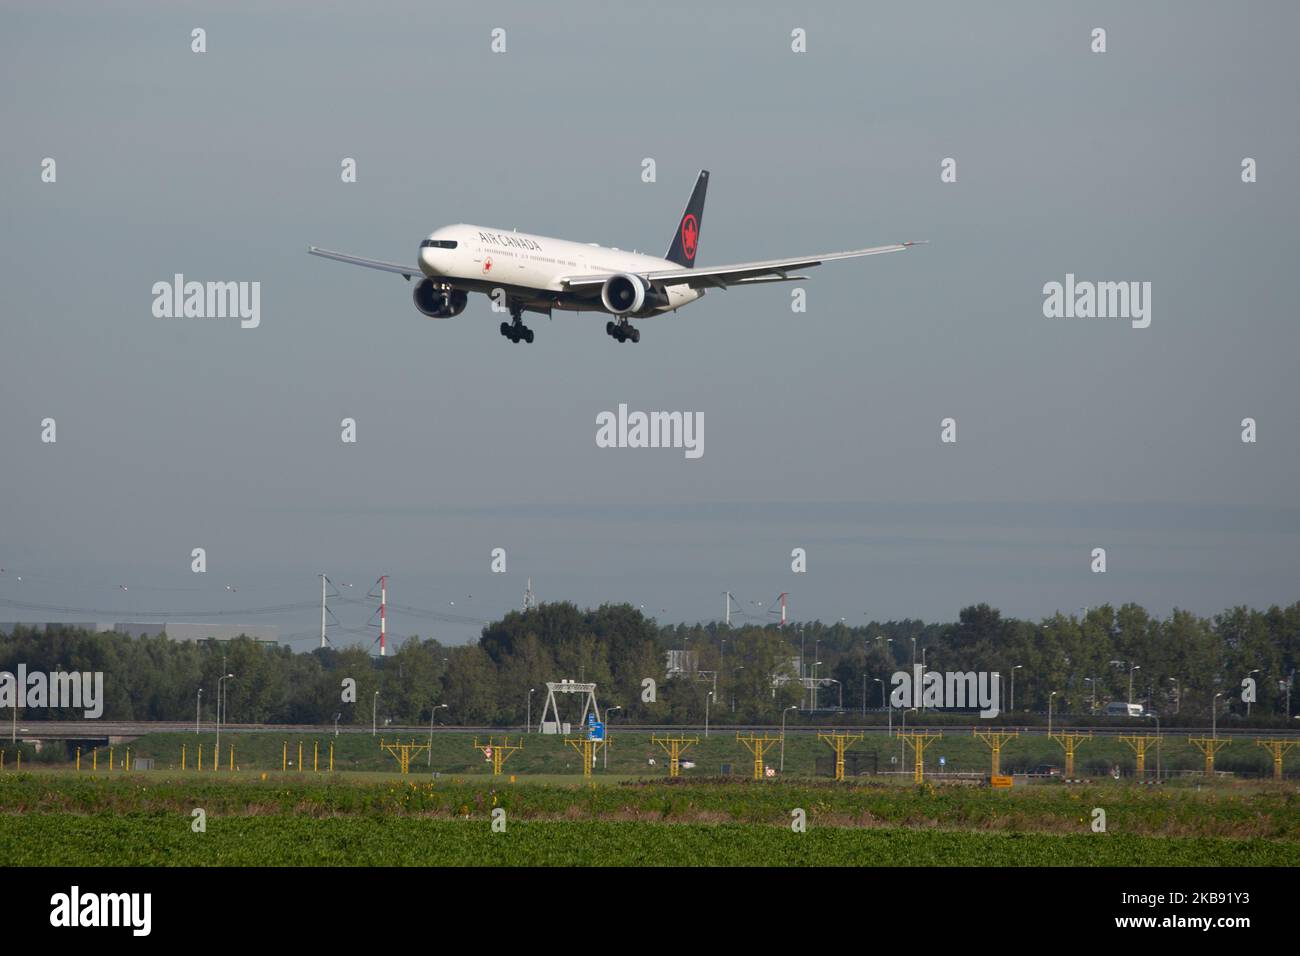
column 438, row 244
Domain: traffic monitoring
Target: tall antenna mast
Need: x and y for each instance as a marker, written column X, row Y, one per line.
column 530, row 599
column 784, row 595
column 728, row 596
column 383, row 609
column 322, row 609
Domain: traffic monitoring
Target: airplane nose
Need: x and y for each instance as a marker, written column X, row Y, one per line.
column 427, row 257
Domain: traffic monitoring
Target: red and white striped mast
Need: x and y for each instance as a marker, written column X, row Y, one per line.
column 383, row 609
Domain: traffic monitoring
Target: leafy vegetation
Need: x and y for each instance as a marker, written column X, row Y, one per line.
column 140, row 840
column 1184, row 660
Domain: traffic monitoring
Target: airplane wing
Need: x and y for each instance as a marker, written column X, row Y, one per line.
column 742, row 273
column 404, row 271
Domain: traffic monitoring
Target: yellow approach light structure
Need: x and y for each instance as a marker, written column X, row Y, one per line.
column 1209, row 746
column 402, row 752
column 841, row 742
column 675, row 746
column 1278, row 747
column 588, row 748
column 498, row 753
column 996, row 740
column 758, row 745
column 1070, row 743
column 1140, row 743
column 918, row 741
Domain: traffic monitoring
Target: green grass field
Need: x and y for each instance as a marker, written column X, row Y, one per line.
column 142, row 840
column 60, row 817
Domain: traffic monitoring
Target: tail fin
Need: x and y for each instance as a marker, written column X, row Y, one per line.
column 687, row 239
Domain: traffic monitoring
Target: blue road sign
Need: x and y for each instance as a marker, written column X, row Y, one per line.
column 595, row 731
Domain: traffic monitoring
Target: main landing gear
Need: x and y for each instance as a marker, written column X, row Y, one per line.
column 622, row 331
column 515, row 330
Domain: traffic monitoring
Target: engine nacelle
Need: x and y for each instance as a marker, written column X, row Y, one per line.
column 439, row 303
column 629, row 294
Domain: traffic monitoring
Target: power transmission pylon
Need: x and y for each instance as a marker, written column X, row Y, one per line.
column 918, row 741
column 399, row 750
column 1278, row 747
column 1070, row 742
column 1140, row 743
column 1209, row 746
column 498, row 753
column 758, row 745
column 996, row 739
column 841, row 742
column 588, row 748
column 676, row 746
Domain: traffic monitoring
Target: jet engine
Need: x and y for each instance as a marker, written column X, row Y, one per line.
column 439, row 303
column 629, row 294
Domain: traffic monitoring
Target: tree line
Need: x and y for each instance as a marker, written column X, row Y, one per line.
column 1174, row 665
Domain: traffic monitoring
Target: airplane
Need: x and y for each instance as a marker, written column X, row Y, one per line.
column 527, row 273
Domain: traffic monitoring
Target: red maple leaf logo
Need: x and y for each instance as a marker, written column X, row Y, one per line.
column 487, row 264
column 690, row 235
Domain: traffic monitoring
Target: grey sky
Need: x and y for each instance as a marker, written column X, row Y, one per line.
column 821, row 429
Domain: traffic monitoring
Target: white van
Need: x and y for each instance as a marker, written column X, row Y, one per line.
column 1117, row 708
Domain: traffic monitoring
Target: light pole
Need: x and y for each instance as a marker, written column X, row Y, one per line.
column 1135, row 667
column 1178, row 695
column 435, row 709
column 336, row 723
column 783, row 713
column 529, row 725
column 608, row 711
column 374, row 715
column 1158, row 747
column 864, row 695
column 707, row 697
column 888, row 710
column 1013, row 686
column 902, row 754
column 841, row 690
column 220, row 680
column 816, row 652
column 198, row 709
column 1092, row 707
column 1214, row 716
column 734, row 671
column 1049, row 712
column 802, row 673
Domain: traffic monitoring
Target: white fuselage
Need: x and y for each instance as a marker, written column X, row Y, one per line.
column 532, row 267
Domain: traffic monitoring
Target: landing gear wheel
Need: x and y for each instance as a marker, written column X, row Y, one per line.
column 634, row 334
column 528, row 336
column 505, row 329
column 609, row 328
